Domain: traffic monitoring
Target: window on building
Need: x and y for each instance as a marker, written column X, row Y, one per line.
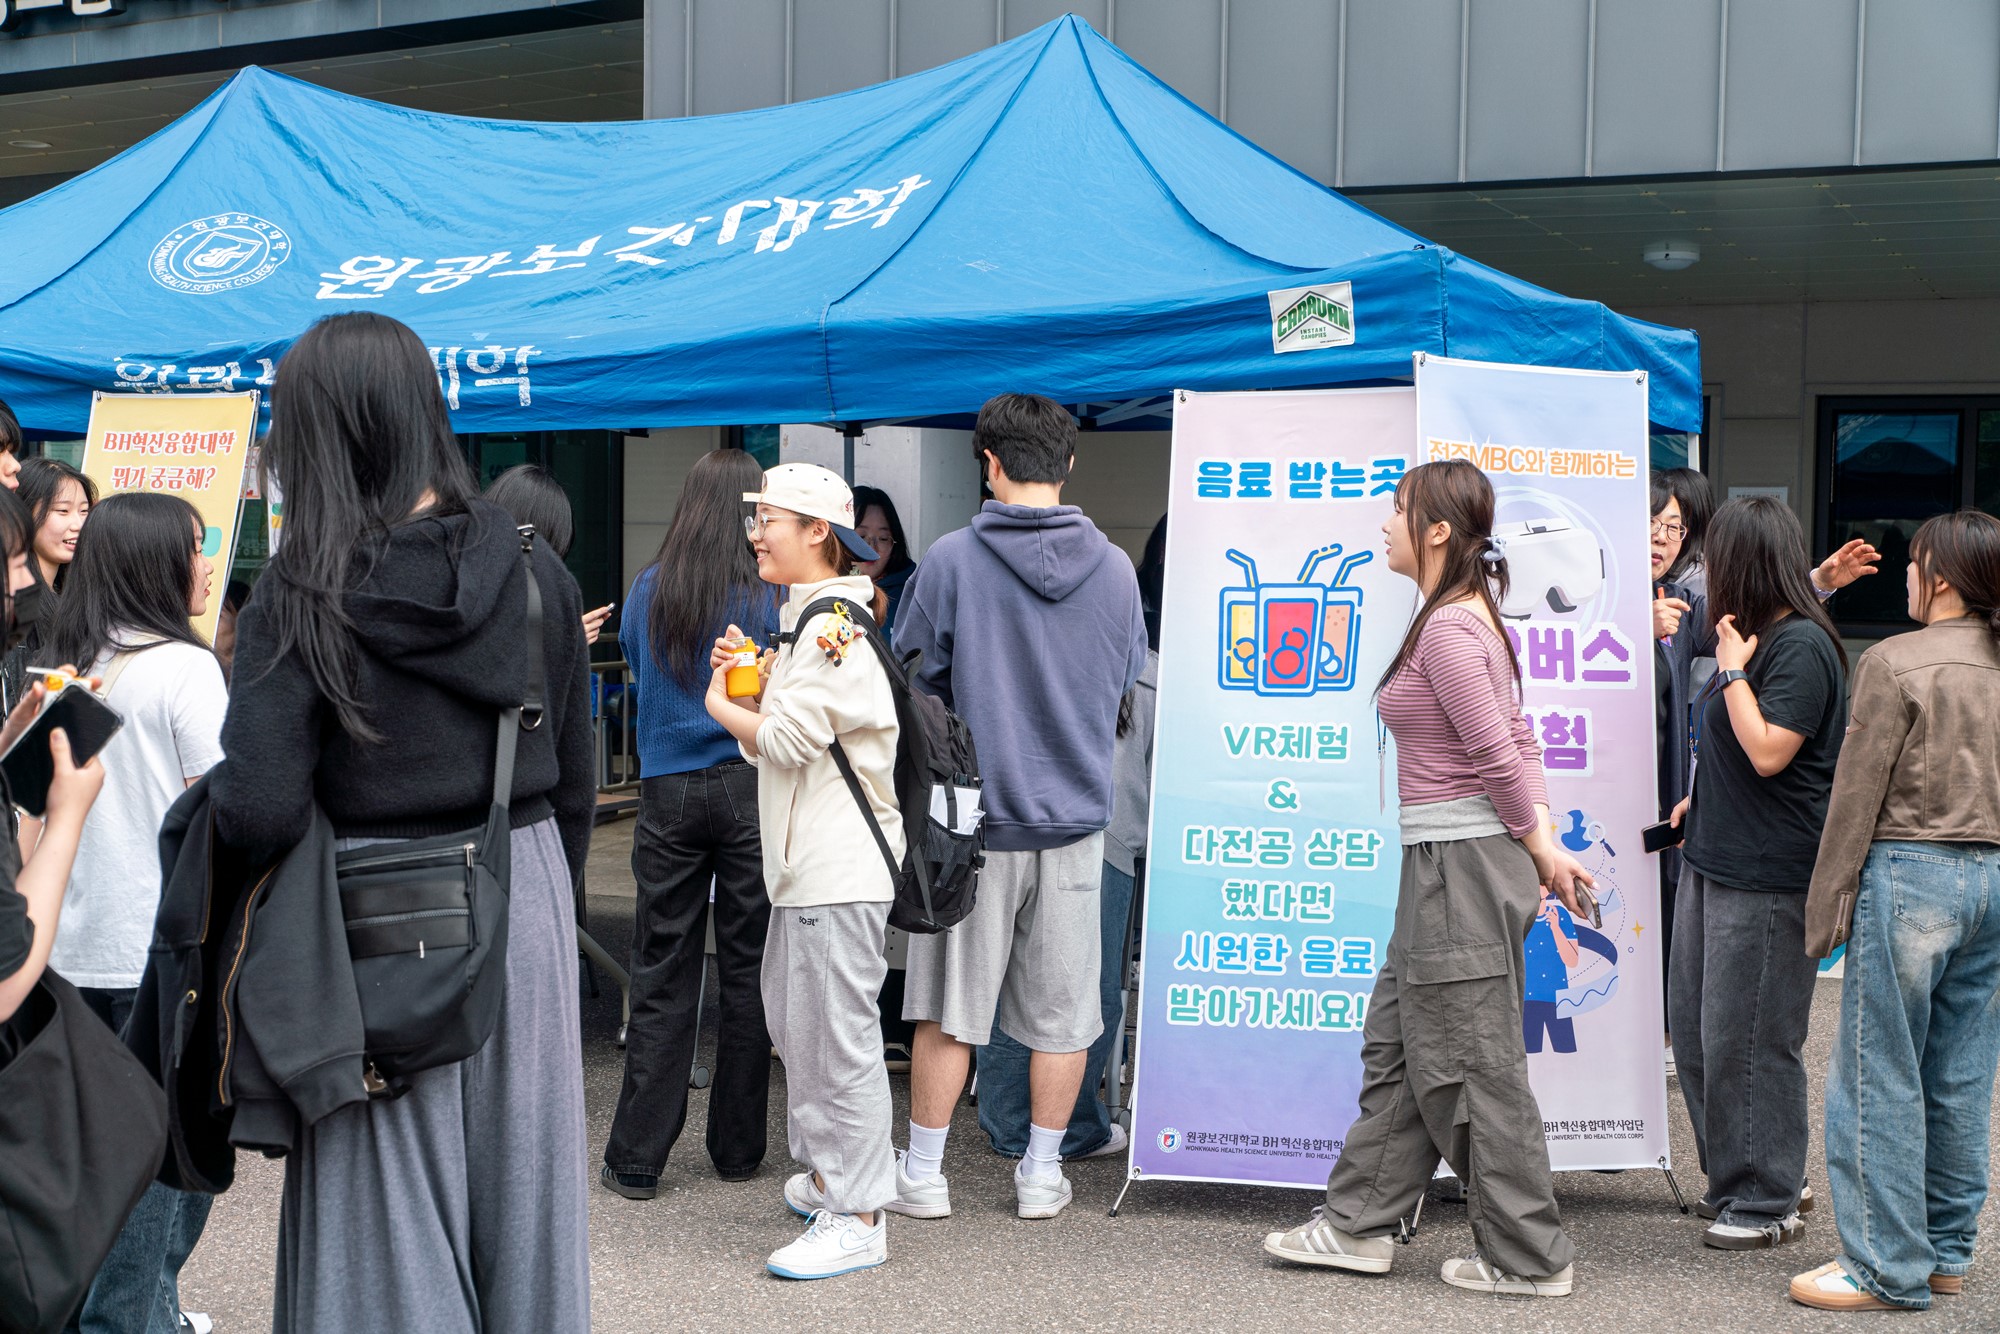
column 1885, row 466
column 1681, row 449
column 591, row 467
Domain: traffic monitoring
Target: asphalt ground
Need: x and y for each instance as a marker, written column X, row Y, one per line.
column 1178, row 1257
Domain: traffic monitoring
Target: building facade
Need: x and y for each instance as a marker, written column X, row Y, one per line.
column 1813, row 185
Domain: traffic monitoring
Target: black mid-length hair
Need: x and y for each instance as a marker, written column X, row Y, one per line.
column 899, row 554
column 41, row 484
column 534, row 497
column 359, row 434
column 1757, row 569
column 1963, row 549
column 17, row 530
column 1697, row 499
column 10, row 431
column 706, row 567
column 131, row 581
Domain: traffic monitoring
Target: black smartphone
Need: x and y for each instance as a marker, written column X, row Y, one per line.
column 1659, row 837
column 87, row 720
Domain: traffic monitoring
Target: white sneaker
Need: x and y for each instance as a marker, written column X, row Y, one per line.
column 833, row 1245
column 1318, row 1242
column 196, row 1323
column 1476, row 1275
column 803, row 1195
column 1673, row 1071
column 1116, row 1144
column 1036, row 1198
column 919, row 1199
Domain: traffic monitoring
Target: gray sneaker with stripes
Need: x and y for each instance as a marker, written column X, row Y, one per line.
column 1318, row 1242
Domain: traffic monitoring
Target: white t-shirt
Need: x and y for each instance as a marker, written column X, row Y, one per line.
column 172, row 698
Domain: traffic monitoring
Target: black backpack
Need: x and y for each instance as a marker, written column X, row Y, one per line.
column 940, row 868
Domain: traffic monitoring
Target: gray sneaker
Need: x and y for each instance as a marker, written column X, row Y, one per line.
column 1731, row 1237
column 1318, row 1242
column 1476, row 1275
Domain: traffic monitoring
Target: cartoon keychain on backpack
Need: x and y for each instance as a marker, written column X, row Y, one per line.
column 838, row 635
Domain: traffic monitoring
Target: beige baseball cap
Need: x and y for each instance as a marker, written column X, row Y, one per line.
column 817, row 493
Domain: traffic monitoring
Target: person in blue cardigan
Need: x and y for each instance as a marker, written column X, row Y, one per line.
column 697, row 823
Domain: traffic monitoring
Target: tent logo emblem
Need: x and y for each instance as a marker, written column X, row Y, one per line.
column 219, row 253
column 1303, row 318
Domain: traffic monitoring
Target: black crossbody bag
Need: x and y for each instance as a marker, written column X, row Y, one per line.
column 427, row 919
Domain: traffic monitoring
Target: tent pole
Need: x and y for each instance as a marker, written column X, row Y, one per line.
column 849, row 432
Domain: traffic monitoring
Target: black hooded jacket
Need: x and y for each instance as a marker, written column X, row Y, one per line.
column 438, row 614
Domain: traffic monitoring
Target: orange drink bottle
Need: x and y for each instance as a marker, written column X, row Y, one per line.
column 742, row 678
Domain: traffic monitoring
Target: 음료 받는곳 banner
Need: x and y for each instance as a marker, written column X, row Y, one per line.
column 1274, row 855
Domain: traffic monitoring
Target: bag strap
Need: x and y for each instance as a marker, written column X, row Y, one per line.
column 867, row 808
column 870, row 631
column 120, row 661
column 528, row 714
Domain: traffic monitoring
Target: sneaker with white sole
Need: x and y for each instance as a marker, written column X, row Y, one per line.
column 1036, row 1198
column 1475, row 1274
column 1318, row 1242
column 1734, row 1237
column 833, row 1244
column 803, row 1195
column 1116, row 1144
column 196, row 1323
column 919, row 1199
column 1831, row 1288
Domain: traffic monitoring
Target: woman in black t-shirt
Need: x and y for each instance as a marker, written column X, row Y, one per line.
column 1767, row 733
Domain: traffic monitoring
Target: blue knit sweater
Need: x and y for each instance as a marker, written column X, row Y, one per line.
column 675, row 733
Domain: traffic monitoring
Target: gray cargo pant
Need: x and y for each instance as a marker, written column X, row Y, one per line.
column 1445, row 1073
column 823, row 969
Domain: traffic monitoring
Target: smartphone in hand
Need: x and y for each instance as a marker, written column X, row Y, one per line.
column 28, row 766
column 1659, row 837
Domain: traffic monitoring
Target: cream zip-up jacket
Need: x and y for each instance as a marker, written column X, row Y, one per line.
column 817, row 847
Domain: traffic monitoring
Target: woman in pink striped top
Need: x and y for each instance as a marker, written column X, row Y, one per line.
column 1445, row 1071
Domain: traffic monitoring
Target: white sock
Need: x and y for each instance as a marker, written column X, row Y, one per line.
column 1044, row 1159
column 926, row 1156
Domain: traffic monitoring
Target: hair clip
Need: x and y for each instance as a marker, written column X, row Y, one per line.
column 1496, row 550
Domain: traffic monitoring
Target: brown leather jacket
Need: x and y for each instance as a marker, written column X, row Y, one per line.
column 1921, row 761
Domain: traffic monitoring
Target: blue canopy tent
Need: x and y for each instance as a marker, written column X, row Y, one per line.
column 1044, row 215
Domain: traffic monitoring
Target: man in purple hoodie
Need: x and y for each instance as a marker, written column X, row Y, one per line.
column 1030, row 628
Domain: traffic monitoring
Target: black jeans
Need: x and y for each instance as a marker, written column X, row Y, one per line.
column 693, row 826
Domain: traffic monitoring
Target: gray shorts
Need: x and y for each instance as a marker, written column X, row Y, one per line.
column 1027, row 956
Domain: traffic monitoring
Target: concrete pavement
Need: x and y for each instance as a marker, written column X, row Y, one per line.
column 1179, row 1257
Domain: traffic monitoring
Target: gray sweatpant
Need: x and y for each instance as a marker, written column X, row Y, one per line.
column 1444, row 1069
column 459, row 1208
column 823, row 969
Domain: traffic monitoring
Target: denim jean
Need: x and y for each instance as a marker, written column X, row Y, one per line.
column 137, row 1289
column 1909, row 1092
column 694, row 826
column 1741, row 992
column 1004, row 1106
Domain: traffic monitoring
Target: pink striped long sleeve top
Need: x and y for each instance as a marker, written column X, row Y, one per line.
column 1459, row 731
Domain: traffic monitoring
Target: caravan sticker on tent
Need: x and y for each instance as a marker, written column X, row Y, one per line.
column 1303, row 318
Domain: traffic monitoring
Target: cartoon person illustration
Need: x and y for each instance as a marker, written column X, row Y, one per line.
column 1550, row 952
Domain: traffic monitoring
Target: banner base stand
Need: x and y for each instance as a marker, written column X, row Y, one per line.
column 1120, row 1201
column 1680, row 1200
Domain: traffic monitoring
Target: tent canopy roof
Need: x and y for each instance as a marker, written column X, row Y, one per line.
column 1044, row 215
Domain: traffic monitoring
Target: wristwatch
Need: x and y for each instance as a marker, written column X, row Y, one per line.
column 1724, row 680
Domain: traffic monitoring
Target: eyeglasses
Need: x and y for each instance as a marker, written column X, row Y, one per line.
column 753, row 524
column 1671, row 529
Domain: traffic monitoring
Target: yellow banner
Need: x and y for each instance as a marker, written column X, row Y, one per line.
column 189, row 445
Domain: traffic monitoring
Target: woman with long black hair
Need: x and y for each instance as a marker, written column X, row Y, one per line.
column 875, row 518
column 534, row 497
column 59, row 499
column 697, row 824
column 1445, row 1072
column 372, row 660
column 1766, row 736
column 138, row 576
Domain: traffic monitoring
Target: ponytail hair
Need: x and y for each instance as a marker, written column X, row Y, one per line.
column 1456, row 493
column 1963, row 549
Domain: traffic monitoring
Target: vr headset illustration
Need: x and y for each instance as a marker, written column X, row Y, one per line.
column 1551, row 565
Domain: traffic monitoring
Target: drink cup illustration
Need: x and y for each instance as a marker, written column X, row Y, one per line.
column 1289, row 639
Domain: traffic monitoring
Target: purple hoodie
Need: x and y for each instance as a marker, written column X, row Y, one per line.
column 1030, row 629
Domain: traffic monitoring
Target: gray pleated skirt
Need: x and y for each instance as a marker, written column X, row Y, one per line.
column 459, row 1208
